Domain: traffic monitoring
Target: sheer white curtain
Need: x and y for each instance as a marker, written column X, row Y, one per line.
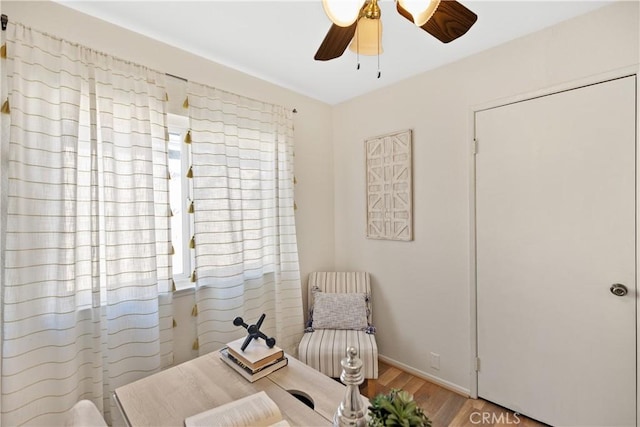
column 85, row 300
column 245, row 237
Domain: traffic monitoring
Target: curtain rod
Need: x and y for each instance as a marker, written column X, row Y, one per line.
column 295, row 110
column 176, row 77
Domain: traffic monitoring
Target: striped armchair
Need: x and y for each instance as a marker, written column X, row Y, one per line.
column 323, row 349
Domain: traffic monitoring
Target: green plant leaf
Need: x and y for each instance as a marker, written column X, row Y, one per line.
column 396, row 409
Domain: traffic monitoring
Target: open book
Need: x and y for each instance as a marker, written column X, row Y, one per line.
column 255, row 410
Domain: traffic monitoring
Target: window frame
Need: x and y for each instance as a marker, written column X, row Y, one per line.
column 179, row 125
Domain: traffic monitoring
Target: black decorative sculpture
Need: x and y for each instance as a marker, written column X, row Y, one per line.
column 254, row 332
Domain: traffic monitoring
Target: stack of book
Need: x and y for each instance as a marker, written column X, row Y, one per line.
column 256, row 361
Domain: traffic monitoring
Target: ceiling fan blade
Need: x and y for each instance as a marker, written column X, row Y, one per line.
column 335, row 42
column 450, row 20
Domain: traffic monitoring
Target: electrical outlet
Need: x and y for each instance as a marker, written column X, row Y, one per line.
column 435, row 360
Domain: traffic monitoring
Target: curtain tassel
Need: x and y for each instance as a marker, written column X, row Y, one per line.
column 3, row 51
column 191, row 208
column 175, row 323
column 196, row 345
column 194, row 277
column 185, row 104
column 168, row 174
column 295, row 206
column 5, row 107
column 192, row 243
column 172, row 251
column 295, row 180
column 187, row 137
column 170, row 213
column 166, row 96
column 194, row 310
column 190, row 172
column 173, row 287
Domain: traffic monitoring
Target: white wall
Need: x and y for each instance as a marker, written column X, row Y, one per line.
column 314, row 156
column 421, row 289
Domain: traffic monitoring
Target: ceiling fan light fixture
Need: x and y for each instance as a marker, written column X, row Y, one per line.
column 421, row 10
column 368, row 37
column 342, row 12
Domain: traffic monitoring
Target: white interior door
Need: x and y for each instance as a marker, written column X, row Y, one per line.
column 555, row 228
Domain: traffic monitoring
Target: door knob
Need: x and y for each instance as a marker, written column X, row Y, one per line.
column 618, row 289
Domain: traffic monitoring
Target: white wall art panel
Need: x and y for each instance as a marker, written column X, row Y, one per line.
column 389, row 187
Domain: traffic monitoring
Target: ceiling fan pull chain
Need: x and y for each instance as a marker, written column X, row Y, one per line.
column 358, row 43
column 378, row 26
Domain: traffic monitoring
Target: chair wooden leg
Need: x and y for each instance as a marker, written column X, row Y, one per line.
column 369, row 388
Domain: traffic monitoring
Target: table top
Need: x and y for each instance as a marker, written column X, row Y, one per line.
column 168, row 397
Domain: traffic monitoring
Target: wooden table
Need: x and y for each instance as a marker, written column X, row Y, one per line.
column 168, row 397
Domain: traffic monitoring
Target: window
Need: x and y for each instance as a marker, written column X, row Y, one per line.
column 180, row 199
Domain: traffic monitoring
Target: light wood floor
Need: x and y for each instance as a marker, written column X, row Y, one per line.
column 446, row 408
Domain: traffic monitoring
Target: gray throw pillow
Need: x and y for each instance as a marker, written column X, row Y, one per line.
column 339, row 311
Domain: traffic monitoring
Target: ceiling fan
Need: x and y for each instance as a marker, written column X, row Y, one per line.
column 445, row 20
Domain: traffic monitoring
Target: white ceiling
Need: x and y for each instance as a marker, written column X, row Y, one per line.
column 276, row 40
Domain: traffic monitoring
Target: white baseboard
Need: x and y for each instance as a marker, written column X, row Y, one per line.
column 426, row 376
